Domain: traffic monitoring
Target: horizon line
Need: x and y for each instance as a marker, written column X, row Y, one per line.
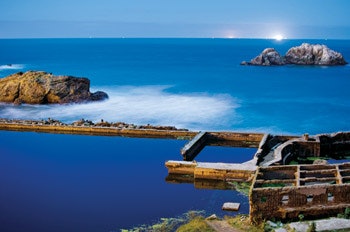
column 174, row 37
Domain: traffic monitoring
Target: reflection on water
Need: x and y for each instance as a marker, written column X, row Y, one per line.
column 52, row 182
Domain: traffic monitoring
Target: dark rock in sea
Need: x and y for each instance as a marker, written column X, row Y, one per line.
column 314, row 54
column 305, row 54
column 35, row 87
column 268, row 57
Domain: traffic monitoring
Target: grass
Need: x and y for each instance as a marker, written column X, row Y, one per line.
column 239, row 222
column 197, row 224
column 242, row 223
column 170, row 224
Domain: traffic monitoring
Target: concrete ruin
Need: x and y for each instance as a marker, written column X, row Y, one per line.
column 278, row 190
column 278, row 150
column 285, row 192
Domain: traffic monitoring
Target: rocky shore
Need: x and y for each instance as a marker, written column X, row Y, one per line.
column 37, row 87
column 88, row 123
column 305, row 54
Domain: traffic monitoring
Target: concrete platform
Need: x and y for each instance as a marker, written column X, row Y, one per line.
column 213, row 171
column 230, row 206
column 331, row 224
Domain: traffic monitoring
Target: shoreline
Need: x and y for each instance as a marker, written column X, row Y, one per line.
column 86, row 127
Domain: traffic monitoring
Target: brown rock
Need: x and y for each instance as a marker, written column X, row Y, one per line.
column 35, row 87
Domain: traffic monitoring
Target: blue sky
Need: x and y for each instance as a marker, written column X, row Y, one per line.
column 326, row 19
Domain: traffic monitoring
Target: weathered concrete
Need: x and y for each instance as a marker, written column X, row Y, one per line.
column 331, row 224
column 234, row 139
column 283, row 192
column 194, row 146
column 231, row 206
column 86, row 127
column 213, row 171
column 277, row 150
column 105, row 131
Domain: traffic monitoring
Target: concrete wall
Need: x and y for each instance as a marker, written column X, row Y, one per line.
column 284, row 192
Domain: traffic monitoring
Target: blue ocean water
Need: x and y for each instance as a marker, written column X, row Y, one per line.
column 192, row 83
column 86, row 183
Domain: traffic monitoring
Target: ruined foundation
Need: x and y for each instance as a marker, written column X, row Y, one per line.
column 285, row 192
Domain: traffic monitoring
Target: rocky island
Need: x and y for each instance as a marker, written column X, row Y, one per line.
column 305, row 54
column 37, row 87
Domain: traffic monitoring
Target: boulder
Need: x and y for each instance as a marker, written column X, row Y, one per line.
column 36, row 87
column 305, row 54
column 268, row 57
column 313, row 54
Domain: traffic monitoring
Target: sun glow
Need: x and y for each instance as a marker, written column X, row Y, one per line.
column 278, row 37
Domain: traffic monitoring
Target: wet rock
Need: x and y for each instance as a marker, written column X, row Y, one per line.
column 268, row 57
column 314, row 54
column 305, row 54
column 212, row 217
column 34, row 87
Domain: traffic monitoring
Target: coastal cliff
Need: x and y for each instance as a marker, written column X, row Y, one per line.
column 36, row 87
column 305, row 54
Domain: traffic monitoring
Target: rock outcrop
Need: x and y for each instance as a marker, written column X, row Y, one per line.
column 309, row 54
column 268, row 57
column 34, row 87
column 305, row 54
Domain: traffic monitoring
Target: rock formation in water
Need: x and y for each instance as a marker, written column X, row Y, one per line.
column 305, row 54
column 34, row 87
column 268, row 57
column 314, row 54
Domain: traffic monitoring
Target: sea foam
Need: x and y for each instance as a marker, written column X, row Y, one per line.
column 11, row 67
column 140, row 105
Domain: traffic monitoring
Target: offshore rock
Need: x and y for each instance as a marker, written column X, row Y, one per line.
column 314, row 54
column 268, row 57
column 305, row 54
column 36, row 87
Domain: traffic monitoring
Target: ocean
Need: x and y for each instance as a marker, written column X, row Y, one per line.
column 87, row 183
column 188, row 83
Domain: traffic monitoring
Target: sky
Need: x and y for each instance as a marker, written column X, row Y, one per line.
column 319, row 19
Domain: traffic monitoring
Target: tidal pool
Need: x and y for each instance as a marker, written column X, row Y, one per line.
column 56, row 182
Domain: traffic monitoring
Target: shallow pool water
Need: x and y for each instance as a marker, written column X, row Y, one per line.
column 56, row 182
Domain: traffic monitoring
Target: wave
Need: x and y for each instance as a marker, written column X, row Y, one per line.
column 140, row 105
column 11, row 67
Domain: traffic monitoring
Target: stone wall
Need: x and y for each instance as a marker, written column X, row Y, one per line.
column 284, row 192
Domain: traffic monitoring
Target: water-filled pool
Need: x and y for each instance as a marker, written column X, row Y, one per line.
column 56, row 182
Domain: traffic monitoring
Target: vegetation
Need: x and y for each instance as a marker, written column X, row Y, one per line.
column 273, row 185
column 197, row 224
column 301, row 217
column 242, row 223
column 346, row 214
column 241, row 187
column 171, row 224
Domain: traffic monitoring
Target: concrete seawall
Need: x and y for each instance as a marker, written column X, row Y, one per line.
column 98, row 131
column 236, row 139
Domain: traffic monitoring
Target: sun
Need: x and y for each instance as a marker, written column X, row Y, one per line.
column 278, row 37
